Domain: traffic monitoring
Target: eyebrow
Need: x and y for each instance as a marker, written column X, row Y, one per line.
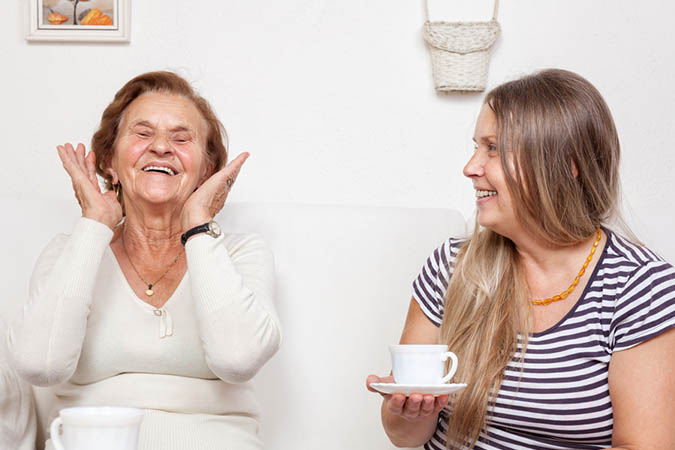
column 484, row 138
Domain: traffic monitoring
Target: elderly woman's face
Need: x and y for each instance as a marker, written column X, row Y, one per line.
column 160, row 154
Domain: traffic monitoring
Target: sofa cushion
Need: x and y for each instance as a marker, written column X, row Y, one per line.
column 343, row 288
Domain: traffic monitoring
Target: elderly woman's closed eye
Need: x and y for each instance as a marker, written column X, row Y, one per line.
column 148, row 303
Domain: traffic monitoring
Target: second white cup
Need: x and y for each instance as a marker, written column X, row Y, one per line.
column 96, row 427
column 422, row 364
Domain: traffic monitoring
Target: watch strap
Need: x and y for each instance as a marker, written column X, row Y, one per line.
column 203, row 228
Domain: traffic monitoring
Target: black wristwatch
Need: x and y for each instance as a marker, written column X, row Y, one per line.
column 210, row 228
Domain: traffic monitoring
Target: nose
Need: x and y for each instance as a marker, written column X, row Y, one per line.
column 160, row 145
column 475, row 167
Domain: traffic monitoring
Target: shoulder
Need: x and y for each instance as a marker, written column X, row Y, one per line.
column 86, row 233
column 49, row 255
column 634, row 264
column 432, row 282
column 630, row 253
column 56, row 244
column 640, row 286
column 441, row 261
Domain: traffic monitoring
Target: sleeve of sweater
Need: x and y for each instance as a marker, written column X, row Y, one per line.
column 232, row 280
column 45, row 339
column 18, row 424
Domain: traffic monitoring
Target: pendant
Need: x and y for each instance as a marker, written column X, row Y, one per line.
column 149, row 291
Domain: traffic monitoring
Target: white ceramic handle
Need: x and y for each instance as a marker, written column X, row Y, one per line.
column 453, row 368
column 54, row 432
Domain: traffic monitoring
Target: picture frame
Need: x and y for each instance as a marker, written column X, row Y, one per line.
column 79, row 20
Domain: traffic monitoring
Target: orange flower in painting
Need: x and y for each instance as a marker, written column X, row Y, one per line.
column 96, row 17
column 91, row 17
column 56, row 19
column 104, row 20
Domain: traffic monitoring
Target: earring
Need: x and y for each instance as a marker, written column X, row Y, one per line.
column 117, row 188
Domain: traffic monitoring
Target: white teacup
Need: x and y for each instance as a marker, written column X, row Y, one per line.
column 96, row 427
column 421, row 364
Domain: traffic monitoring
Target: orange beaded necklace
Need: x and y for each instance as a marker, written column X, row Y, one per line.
column 563, row 295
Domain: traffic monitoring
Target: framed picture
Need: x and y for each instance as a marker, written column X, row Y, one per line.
column 79, row 20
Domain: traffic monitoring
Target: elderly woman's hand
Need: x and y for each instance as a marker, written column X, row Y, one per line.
column 204, row 203
column 102, row 207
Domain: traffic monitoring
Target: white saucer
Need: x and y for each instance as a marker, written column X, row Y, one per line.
column 407, row 389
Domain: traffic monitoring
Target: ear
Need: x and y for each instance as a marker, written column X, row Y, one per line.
column 113, row 174
column 575, row 170
column 110, row 170
column 207, row 171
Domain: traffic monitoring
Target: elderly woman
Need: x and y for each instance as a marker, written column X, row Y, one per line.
column 562, row 326
column 147, row 303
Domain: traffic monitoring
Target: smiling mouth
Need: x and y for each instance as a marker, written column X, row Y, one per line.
column 485, row 194
column 159, row 169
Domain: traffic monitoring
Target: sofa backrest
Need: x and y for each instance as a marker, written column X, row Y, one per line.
column 343, row 289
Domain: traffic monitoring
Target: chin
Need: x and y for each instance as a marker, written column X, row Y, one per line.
column 484, row 221
column 489, row 224
column 158, row 197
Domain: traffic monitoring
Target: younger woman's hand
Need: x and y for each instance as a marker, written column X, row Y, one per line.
column 412, row 408
column 204, row 203
column 102, row 207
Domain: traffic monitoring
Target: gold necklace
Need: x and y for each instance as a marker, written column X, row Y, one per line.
column 149, row 292
column 563, row 295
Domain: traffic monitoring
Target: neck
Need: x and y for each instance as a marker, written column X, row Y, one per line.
column 149, row 249
column 547, row 265
column 152, row 230
column 549, row 257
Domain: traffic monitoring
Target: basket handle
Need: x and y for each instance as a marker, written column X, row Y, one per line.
column 494, row 12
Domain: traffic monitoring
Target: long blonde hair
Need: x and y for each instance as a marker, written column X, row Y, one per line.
column 551, row 120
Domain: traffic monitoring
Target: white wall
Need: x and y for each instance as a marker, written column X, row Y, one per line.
column 334, row 99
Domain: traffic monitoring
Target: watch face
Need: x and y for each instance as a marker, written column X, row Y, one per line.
column 214, row 229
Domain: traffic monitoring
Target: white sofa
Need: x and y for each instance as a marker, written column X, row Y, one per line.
column 343, row 288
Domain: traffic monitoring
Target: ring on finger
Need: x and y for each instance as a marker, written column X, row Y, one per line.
column 229, row 182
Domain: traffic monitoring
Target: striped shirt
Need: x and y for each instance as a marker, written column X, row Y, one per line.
column 562, row 400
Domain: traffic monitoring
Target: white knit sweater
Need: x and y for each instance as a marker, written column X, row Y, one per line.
column 188, row 364
column 17, row 409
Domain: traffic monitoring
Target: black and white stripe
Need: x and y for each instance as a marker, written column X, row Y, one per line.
column 561, row 399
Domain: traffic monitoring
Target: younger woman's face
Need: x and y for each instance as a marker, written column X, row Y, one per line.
column 494, row 202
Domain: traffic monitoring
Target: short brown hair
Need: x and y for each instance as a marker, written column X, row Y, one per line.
column 103, row 142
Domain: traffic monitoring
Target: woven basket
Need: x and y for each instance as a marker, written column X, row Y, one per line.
column 460, row 52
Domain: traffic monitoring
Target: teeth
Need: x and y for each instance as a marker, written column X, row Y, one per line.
column 483, row 194
column 161, row 169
